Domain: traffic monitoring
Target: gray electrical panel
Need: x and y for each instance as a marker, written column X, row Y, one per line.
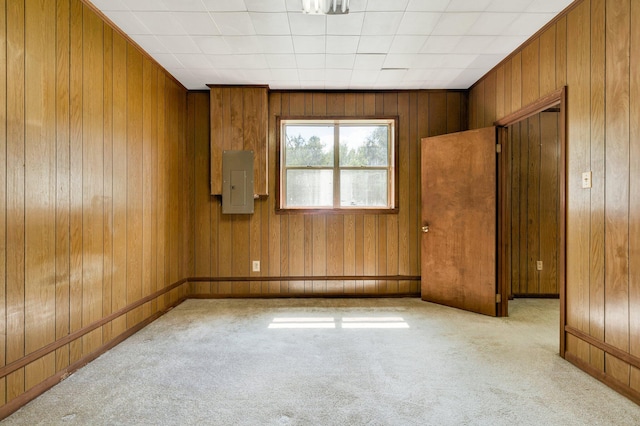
column 237, row 182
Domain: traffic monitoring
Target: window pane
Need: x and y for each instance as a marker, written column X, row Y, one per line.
column 309, row 145
column 362, row 145
column 365, row 188
column 309, row 188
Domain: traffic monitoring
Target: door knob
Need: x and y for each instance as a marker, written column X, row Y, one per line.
column 425, row 229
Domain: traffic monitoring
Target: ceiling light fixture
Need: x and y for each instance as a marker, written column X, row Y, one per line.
column 325, row 7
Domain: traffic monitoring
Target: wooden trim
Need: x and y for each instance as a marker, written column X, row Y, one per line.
column 616, row 385
column 303, row 296
column 33, row 356
column 356, row 91
column 533, row 108
column 535, row 36
column 238, row 86
column 503, row 217
column 562, row 220
column 535, row 296
column 311, row 278
column 609, row 349
column 15, row 404
column 333, row 210
column 117, row 29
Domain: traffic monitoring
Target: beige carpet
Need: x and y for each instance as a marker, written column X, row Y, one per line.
column 335, row 362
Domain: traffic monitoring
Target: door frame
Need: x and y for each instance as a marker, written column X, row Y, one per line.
column 556, row 97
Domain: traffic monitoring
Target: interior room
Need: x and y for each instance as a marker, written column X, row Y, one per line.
column 473, row 199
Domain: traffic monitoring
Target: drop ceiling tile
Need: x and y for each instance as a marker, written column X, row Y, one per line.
column 491, row 23
column 309, row 44
column 311, row 61
column 275, row 44
column 184, row 5
column 508, row 6
column 528, row 23
column 486, row 61
column 427, row 6
column 342, row 44
column 349, row 24
column 270, row 23
column 197, row 23
column 293, row 5
column 281, row 61
column 235, row 62
column 407, row 44
column 440, row 44
column 266, row 5
column 357, row 6
column 364, row 77
column 233, row 23
column 191, row 60
column 150, row 44
column 105, row 5
column 387, row 5
column 302, row 24
column 375, row 44
column 161, row 23
column 243, row 44
column 212, row 45
column 225, row 5
column 381, row 23
column 256, row 76
column 340, row 61
column 341, row 76
column 458, row 61
column 468, row 5
column 127, row 22
column 230, row 76
column 505, row 44
column 473, row 44
column 179, row 44
column 136, row 5
column 548, row 6
column 455, row 23
column 390, row 76
column 284, row 74
column 311, row 75
column 369, row 62
column 168, row 60
column 418, row 23
column 393, row 61
column 256, row 62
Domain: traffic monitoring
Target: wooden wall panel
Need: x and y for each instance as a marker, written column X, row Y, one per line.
column 83, row 209
column 319, row 245
column 3, row 194
column 534, row 147
column 39, row 187
column 596, row 57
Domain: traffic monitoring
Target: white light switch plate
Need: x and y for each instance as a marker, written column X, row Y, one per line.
column 586, row 180
column 539, row 265
column 256, row 266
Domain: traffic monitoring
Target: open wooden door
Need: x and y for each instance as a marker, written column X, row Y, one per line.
column 459, row 220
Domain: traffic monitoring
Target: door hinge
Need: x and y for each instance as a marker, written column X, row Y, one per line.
column 498, row 298
column 498, row 148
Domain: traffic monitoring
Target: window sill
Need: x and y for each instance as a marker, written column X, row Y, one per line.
column 336, row 211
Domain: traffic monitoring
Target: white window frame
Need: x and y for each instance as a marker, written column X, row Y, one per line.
column 391, row 167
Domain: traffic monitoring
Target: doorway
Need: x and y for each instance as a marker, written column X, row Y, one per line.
column 532, row 202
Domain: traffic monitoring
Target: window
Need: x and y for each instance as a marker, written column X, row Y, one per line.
column 337, row 164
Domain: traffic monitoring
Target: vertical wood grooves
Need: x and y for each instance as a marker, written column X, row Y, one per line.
column 592, row 48
column 318, row 245
column 77, row 112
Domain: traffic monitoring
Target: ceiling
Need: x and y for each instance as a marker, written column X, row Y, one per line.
column 380, row 44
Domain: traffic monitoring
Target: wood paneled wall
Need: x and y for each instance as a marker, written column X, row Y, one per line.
column 94, row 218
column 356, row 246
column 593, row 49
column 535, row 153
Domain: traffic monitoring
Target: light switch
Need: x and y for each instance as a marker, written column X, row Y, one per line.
column 586, row 180
column 539, row 265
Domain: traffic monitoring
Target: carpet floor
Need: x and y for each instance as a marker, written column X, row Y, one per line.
column 335, row 362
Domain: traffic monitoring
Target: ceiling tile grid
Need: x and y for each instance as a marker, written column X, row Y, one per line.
column 379, row 44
